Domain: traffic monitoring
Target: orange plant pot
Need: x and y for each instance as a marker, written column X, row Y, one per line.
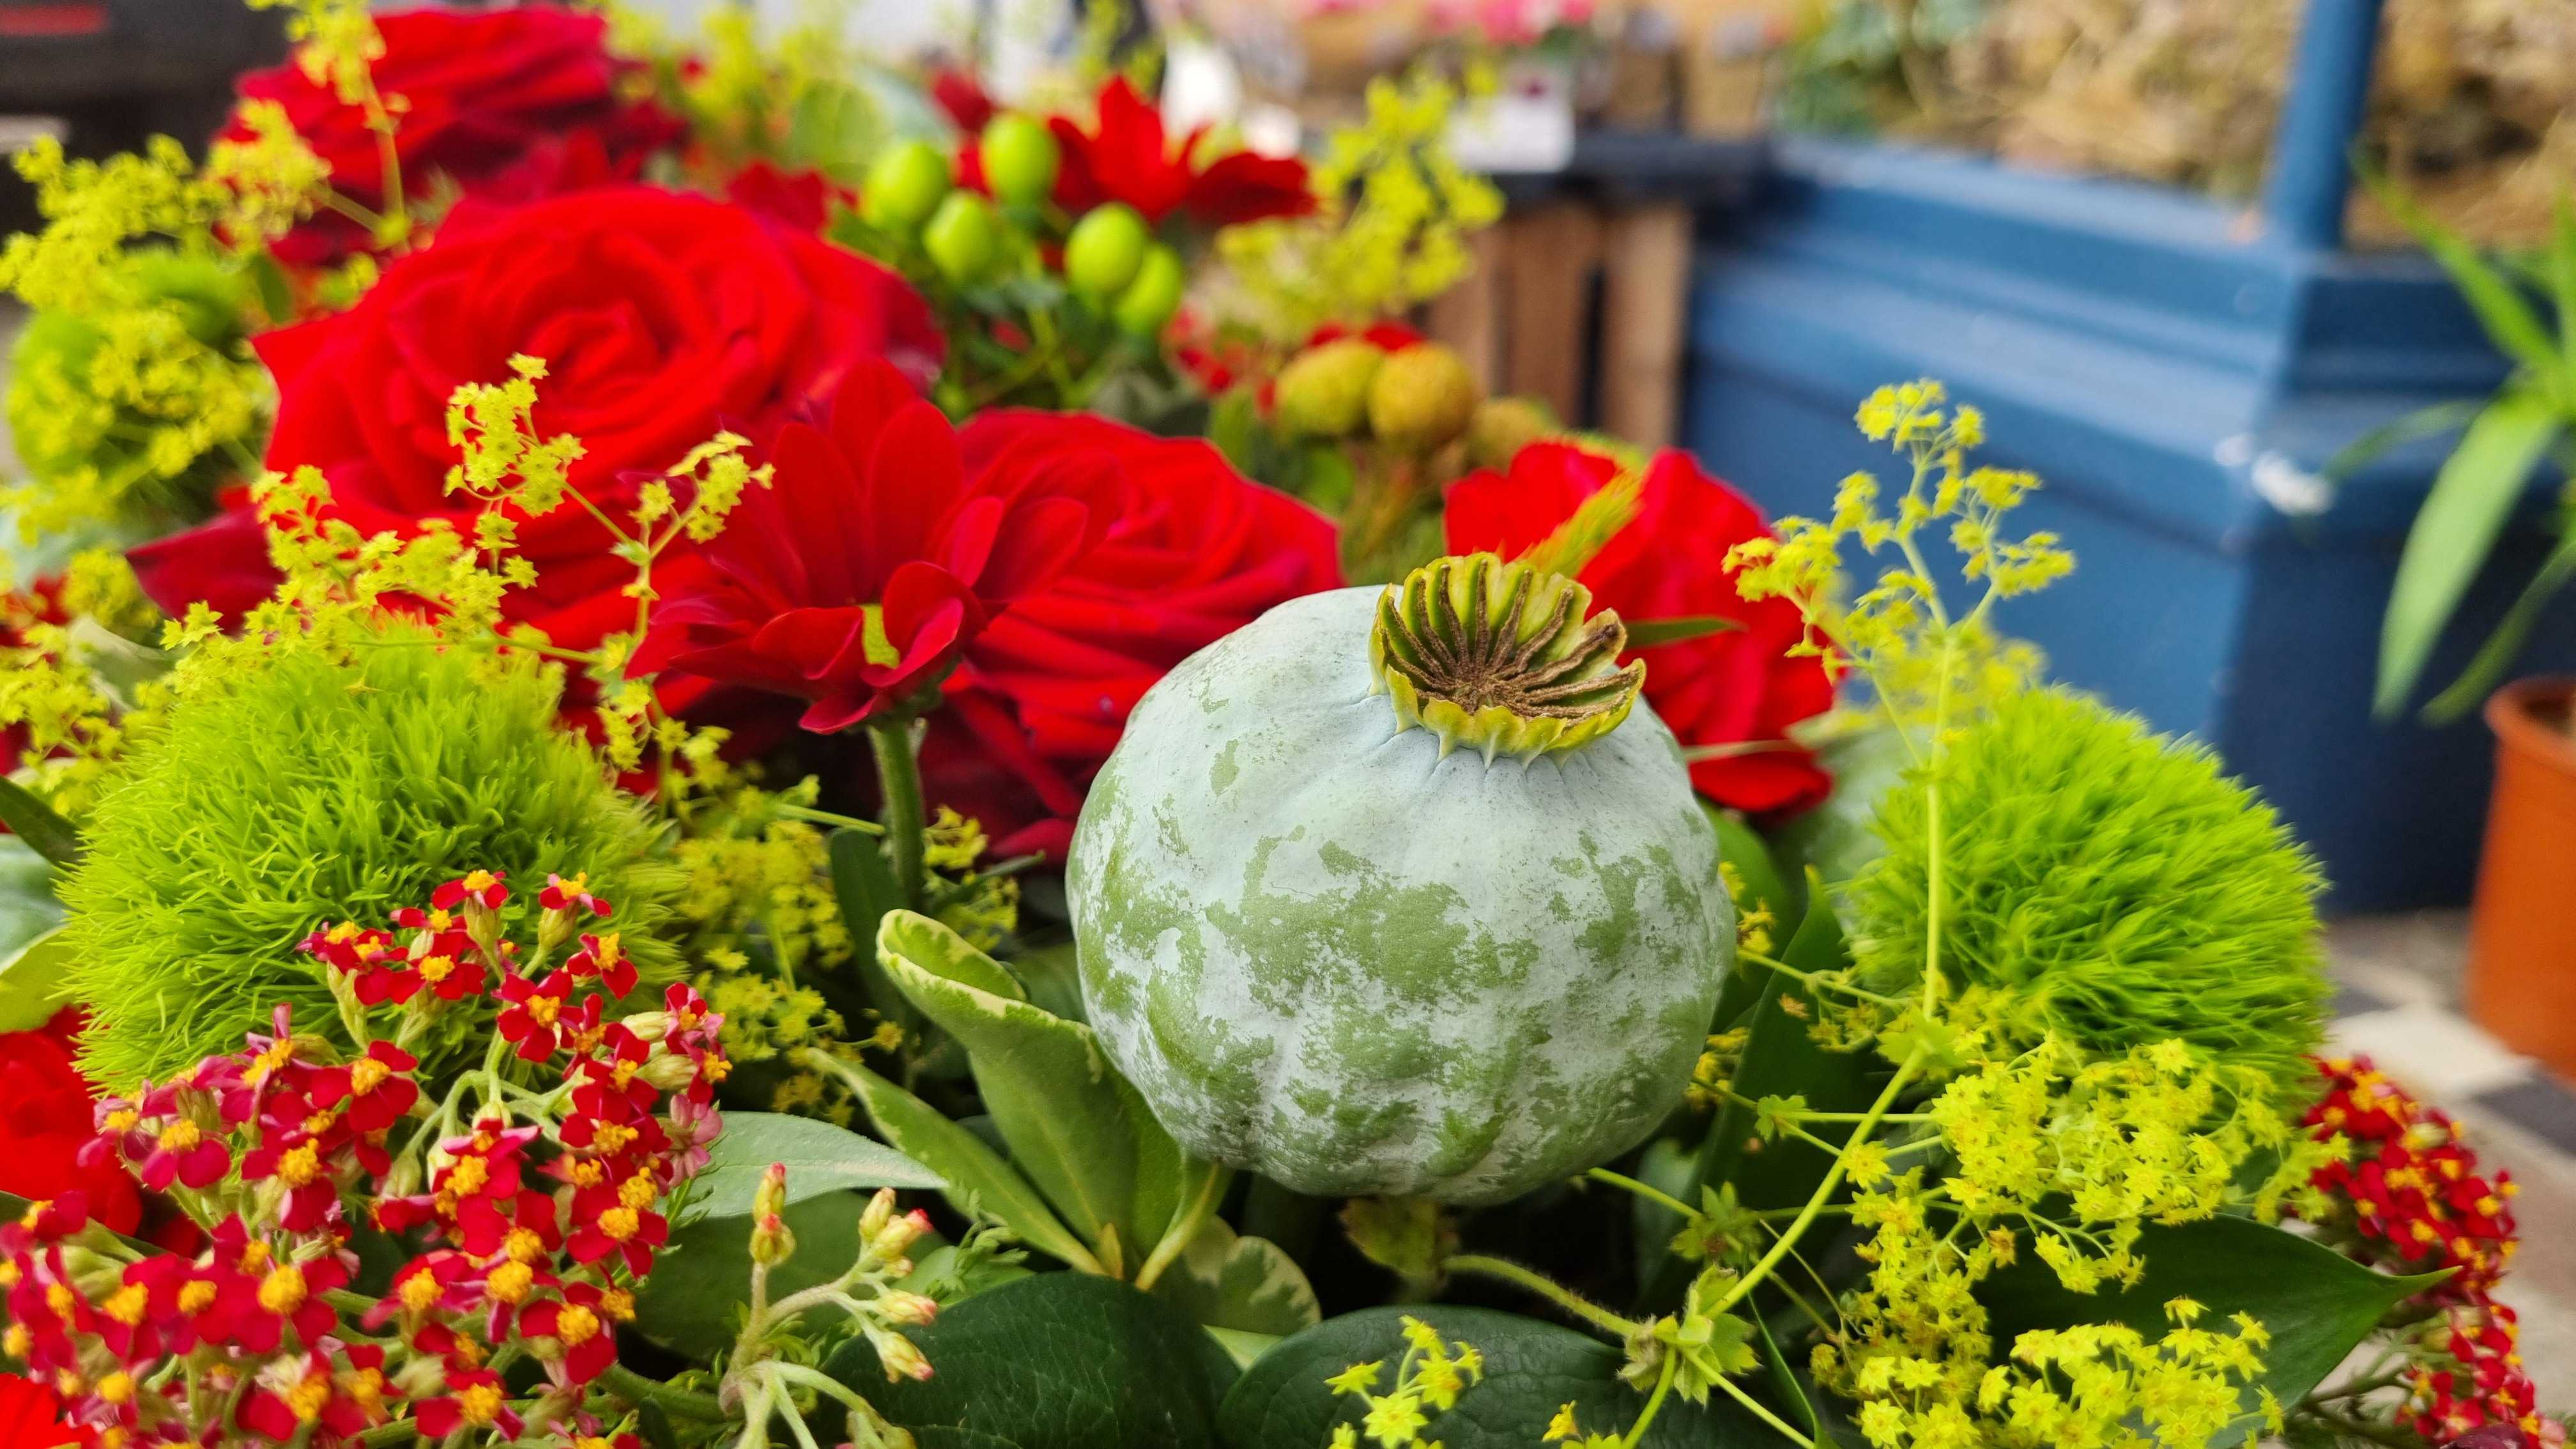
column 2522, row 928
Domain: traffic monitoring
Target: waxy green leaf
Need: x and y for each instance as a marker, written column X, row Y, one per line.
column 820, row 1158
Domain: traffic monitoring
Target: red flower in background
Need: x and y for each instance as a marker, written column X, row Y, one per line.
column 663, row 317
column 856, row 580
column 963, row 97
column 1741, row 686
column 512, row 103
column 1192, row 552
column 797, row 200
column 1125, row 156
column 46, row 1115
column 32, row 1418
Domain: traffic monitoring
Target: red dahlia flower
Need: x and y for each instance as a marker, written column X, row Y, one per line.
column 855, row 580
column 46, row 1115
column 664, row 318
column 1738, row 687
column 511, row 103
column 1191, row 552
column 1125, row 156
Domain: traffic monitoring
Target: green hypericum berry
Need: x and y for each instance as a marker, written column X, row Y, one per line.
column 315, row 790
column 1105, row 251
column 904, row 186
column 1422, row 398
column 1020, row 159
column 963, row 237
column 1154, row 296
column 2109, row 884
column 1324, row 393
column 1502, row 426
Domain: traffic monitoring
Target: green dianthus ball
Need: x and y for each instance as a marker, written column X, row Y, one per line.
column 316, row 789
column 2108, row 883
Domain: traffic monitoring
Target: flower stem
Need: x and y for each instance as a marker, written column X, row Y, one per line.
column 1797, row 1228
column 1545, row 1287
column 1649, row 1193
column 899, row 778
column 1655, row 1401
column 627, row 1384
column 1765, row 1415
column 1185, row 1226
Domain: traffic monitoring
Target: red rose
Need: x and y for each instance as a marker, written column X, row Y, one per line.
column 45, row 1116
column 663, row 318
column 799, row 200
column 1125, row 156
column 32, row 1418
column 1192, row 552
column 873, row 559
column 516, row 102
column 1737, row 687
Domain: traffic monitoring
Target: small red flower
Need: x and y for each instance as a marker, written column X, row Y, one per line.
column 532, row 1011
column 618, row 1220
column 1126, row 156
column 570, row 895
column 482, row 887
column 475, row 1399
column 377, row 1087
column 855, row 580
column 601, row 956
column 582, row 1325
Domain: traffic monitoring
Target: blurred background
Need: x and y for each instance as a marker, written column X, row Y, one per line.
column 2273, row 294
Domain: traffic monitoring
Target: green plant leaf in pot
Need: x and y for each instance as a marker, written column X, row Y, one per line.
column 1531, row 1369
column 31, row 953
column 2316, row 1303
column 1055, row 1361
column 819, row 1157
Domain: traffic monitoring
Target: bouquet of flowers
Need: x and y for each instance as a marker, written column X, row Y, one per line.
column 691, row 771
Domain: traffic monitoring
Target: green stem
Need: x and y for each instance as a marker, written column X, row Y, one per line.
column 899, row 777
column 1185, row 1226
column 1545, row 1287
column 1648, row 1192
column 1765, row 1415
column 1655, row 1400
column 1797, row 1228
column 627, row 1384
column 812, row 816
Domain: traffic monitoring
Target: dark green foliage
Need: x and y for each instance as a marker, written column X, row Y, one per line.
column 2110, row 884
column 315, row 790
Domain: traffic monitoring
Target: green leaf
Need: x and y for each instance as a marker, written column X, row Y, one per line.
column 1786, row 1388
column 1838, row 837
column 1246, row 1285
column 979, row 1181
column 820, row 1158
column 2472, row 498
column 1741, row 846
column 34, row 821
column 2507, row 315
column 2316, row 1303
column 863, row 885
column 31, row 960
column 1075, row 1127
column 1647, row 633
column 2495, row 658
column 694, row 1300
column 2430, row 422
column 1056, row 1361
column 1282, row 1402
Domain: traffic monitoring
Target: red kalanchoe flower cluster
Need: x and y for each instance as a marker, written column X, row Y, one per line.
column 1124, row 155
column 513, row 103
column 533, row 1220
column 2413, row 1199
column 1733, row 693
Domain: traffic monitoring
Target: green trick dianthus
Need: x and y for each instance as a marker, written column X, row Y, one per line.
column 2108, row 883
column 317, row 789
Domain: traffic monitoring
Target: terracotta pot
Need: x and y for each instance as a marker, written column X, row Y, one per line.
column 2522, row 929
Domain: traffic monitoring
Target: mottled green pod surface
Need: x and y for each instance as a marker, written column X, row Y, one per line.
column 1403, row 893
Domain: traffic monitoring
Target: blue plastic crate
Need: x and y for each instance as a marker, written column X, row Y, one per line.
column 2177, row 377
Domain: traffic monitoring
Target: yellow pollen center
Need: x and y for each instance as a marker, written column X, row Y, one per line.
column 510, row 1282
column 179, row 1136
column 523, row 1246
column 576, row 1325
column 117, row 1387
column 637, row 1191
column 619, row 1304
column 613, row 1136
column 368, row 1075
column 481, row 880
column 479, row 1405
column 306, row 1400
column 301, row 1165
column 619, row 1223
column 468, row 1176
column 197, row 1296
column 121, row 1120
column 545, row 1009
column 60, row 1300
column 435, row 969
column 419, row 1291
column 126, row 1304
column 283, row 1290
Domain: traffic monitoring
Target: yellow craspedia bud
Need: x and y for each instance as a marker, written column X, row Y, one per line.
column 1325, row 392
column 1422, row 398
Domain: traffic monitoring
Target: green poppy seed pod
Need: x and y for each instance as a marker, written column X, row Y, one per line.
column 1324, row 392
column 904, row 186
column 1423, row 398
column 1502, row 426
column 1105, row 250
column 1020, row 158
column 1153, row 297
column 1403, row 892
column 963, row 237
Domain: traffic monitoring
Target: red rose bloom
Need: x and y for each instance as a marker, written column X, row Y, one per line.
column 1192, row 552
column 663, row 317
column 1125, row 156
column 45, row 1116
column 32, row 1418
column 858, row 576
column 1737, row 687
column 513, row 102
